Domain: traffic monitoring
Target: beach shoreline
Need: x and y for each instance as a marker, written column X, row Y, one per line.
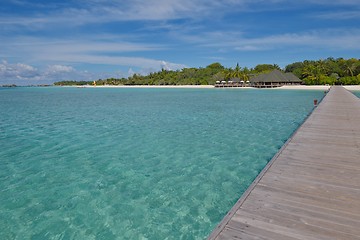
column 287, row 87
column 352, row 87
column 143, row 86
column 318, row 87
column 305, row 87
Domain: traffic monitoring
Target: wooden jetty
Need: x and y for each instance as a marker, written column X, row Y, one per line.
column 311, row 188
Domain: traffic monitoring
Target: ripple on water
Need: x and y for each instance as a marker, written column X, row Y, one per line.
column 134, row 163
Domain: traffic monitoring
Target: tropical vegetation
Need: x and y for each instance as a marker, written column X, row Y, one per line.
column 330, row 71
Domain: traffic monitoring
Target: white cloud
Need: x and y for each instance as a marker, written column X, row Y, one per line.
column 321, row 39
column 87, row 12
column 24, row 74
column 89, row 44
column 55, row 69
column 104, row 11
column 17, row 71
column 109, row 11
column 104, row 50
column 171, row 66
column 324, row 39
column 354, row 3
column 248, row 48
column 339, row 15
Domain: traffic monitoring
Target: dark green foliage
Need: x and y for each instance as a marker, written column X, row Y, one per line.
column 349, row 80
column 69, row 82
column 216, row 65
column 329, row 71
column 295, row 68
column 265, row 68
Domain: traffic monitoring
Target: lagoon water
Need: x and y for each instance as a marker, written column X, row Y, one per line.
column 115, row 163
column 356, row 93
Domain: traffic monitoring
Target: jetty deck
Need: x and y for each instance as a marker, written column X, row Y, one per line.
column 311, row 188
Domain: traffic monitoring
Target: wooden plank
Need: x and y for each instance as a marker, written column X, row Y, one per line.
column 297, row 229
column 311, row 188
column 290, row 211
column 326, row 175
column 309, row 215
column 334, row 205
column 238, row 229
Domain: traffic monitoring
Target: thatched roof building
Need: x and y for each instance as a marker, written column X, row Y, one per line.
column 273, row 79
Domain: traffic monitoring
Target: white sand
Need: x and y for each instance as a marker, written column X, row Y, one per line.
column 147, row 86
column 290, row 87
column 305, row 87
column 319, row 87
column 352, row 87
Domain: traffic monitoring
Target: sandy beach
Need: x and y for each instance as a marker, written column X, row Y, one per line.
column 319, row 87
column 289, row 87
column 305, row 87
column 352, row 87
column 147, row 86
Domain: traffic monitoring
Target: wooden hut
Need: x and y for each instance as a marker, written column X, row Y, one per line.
column 274, row 79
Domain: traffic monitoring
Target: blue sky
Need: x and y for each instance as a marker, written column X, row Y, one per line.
column 50, row 40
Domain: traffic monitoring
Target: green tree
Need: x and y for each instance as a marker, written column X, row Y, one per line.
column 261, row 68
column 310, row 73
column 237, row 72
column 349, row 66
column 327, row 71
column 216, row 66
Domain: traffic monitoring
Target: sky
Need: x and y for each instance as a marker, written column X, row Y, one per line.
column 44, row 41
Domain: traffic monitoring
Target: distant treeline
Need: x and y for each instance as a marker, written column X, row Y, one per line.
column 330, row 71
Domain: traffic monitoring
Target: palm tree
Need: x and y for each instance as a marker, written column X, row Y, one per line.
column 228, row 73
column 349, row 66
column 310, row 72
column 322, row 67
column 237, row 71
column 245, row 74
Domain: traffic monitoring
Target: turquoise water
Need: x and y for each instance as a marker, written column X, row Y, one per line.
column 356, row 93
column 97, row 163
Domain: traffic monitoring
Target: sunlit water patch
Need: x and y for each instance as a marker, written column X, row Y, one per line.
column 97, row 163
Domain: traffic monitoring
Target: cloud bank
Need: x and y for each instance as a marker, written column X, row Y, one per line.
column 24, row 74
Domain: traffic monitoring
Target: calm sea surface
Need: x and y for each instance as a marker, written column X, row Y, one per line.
column 91, row 163
column 357, row 93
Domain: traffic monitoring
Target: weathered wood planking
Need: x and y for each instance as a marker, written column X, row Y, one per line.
column 311, row 188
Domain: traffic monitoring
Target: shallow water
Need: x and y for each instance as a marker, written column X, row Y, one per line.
column 356, row 93
column 134, row 163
